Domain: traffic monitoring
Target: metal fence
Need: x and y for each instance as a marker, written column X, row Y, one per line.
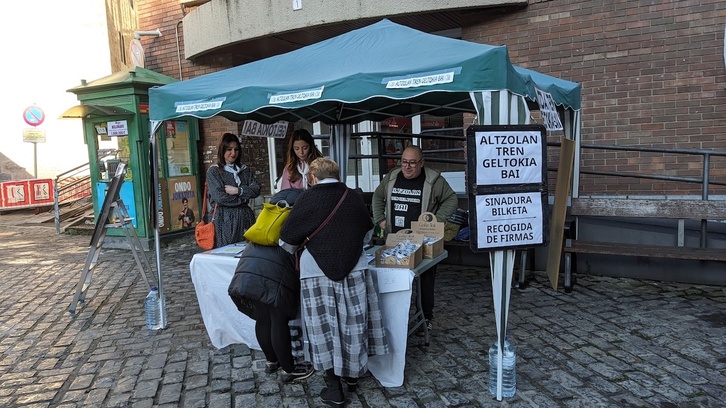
column 72, row 190
column 699, row 155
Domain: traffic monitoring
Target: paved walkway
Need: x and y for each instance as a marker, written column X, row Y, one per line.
column 610, row 343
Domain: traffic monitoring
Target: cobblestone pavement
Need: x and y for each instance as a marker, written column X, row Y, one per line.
column 613, row 342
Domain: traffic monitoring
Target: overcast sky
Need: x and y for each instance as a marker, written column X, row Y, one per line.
column 48, row 47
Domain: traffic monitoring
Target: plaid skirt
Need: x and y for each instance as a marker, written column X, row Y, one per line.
column 343, row 322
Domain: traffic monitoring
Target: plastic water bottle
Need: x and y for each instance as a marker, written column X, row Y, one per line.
column 509, row 369
column 151, row 304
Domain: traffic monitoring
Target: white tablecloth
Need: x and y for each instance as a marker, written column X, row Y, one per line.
column 211, row 275
column 388, row 369
column 226, row 325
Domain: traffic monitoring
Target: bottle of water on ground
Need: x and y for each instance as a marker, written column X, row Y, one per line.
column 153, row 313
column 509, row 369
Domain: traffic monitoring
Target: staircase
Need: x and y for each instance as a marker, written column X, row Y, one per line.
column 83, row 223
column 73, row 198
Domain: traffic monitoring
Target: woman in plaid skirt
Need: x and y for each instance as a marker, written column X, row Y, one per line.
column 339, row 302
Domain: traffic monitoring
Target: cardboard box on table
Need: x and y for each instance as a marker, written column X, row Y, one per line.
column 429, row 227
column 392, row 239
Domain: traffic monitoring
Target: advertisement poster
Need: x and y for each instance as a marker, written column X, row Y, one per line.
column 183, row 207
column 162, row 207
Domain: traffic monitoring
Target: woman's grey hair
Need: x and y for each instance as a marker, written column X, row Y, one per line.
column 323, row 168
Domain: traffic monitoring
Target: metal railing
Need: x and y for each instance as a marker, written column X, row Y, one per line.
column 431, row 154
column 435, row 156
column 71, row 187
column 704, row 180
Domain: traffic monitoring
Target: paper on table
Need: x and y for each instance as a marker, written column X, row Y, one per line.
column 393, row 279
column 231, row 249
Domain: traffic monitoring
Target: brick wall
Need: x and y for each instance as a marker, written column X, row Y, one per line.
column 163, row 56
column 652, row 74
column 121, row 23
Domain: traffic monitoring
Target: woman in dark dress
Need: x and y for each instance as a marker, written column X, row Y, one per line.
column 231, row 185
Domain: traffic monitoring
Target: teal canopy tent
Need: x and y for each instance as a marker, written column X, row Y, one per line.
column 372, row 73
column 380, row 71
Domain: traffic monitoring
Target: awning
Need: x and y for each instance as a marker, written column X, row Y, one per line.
column 89, row 111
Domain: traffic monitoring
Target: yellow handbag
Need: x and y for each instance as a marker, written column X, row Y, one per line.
column 266, row 229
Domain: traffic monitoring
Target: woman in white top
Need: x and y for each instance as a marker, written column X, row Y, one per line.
column 301, row 151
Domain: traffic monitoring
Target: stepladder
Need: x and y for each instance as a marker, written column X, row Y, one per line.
column 113, row 215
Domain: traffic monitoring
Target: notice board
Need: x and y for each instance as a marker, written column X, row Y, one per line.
column 507, row 186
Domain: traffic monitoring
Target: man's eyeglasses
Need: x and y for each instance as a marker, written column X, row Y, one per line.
column 412, row 163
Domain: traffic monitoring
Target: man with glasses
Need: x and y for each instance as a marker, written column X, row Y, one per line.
column 405, row 193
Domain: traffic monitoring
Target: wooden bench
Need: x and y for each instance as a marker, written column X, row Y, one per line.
column 680, row 210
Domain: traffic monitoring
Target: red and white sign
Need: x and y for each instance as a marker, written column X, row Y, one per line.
column 33, row 115
column 26, row 193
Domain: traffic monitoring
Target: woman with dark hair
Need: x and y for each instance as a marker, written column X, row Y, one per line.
column 231, row 185
column 340, row 308
column 301, row 151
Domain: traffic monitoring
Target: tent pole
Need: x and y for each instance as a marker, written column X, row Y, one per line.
column 501, row 261
column 155, row 216
column 339, row 140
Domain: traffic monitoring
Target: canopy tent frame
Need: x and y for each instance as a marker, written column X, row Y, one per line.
column 337, row 76
column 411, row 70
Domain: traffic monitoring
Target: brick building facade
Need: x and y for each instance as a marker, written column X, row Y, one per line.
column 652, row 74
column 165, row 55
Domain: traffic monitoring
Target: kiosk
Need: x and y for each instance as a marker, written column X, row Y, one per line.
column 115, row 114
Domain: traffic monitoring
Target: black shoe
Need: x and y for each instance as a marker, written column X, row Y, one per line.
column 271, row 367
column 332, row 397
column 351, row 382
column 301, row 372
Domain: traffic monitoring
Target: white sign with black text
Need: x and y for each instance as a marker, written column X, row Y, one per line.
column 507, row 220
column 548, row 110
column 507, row 173
column 509, row 157
column 118, row 128
column 276, row 130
